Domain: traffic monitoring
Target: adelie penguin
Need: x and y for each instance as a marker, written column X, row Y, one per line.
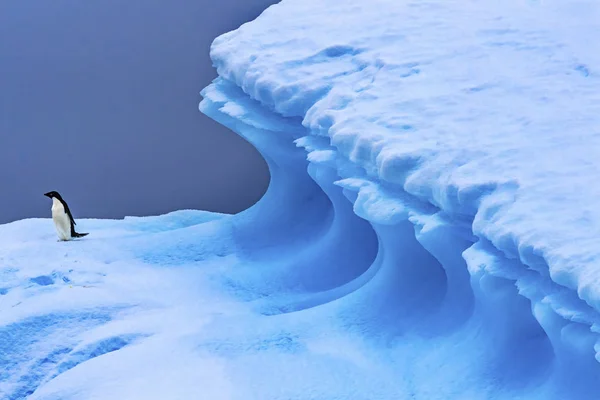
column 62, row 217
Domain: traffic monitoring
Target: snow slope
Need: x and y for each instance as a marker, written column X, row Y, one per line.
column 429, row 231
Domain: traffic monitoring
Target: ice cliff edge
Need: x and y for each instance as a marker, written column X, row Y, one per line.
column 437, row 163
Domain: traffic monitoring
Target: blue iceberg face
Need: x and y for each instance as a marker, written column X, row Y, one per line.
column 441, row 132
column 302, row 235
column 429, row 292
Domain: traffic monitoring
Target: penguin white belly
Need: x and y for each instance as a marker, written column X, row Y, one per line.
column 62, row 223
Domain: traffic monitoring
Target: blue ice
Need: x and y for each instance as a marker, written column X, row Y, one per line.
column 429, row 232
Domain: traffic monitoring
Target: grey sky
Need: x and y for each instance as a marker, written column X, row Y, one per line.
column 98, row 100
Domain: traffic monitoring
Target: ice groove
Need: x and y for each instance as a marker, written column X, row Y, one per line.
column 435, row 274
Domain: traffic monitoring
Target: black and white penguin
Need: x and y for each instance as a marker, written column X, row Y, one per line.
column 62, row 217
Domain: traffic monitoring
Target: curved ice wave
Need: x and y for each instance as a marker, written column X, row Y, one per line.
column 466, row 135
column 298, row 235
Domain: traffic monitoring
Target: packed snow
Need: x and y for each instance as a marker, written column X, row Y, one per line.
column 429, row 232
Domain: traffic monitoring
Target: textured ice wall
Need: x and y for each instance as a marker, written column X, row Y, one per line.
column 466, row 136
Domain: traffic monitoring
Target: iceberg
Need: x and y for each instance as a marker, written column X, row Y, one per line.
column 429, row 231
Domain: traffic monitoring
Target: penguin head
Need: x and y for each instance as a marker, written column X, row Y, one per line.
column 52, row 194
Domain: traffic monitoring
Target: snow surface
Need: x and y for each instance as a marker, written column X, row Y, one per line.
column 430, row 230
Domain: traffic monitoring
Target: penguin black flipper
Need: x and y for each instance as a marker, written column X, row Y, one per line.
column 68, row 212
column 66, row 206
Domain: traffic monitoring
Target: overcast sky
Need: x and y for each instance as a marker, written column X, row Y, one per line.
column 99, row 101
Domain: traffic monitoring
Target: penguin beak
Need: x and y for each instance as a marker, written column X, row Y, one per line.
column 47, row 194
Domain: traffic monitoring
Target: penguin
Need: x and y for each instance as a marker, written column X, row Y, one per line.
column 62, row 217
